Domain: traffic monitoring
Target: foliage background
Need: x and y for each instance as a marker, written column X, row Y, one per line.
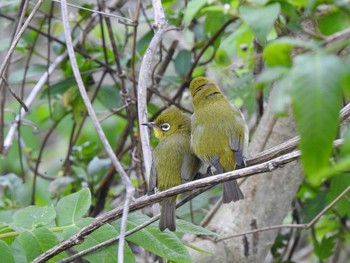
column 296, row 52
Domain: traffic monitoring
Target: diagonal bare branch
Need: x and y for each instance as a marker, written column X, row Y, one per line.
column 128, row 185
column 145, row 75
column 35, row 91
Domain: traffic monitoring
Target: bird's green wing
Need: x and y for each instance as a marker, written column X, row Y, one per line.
column 238, row 141
column 236, row 144
column 189, row 167
column 152, row 183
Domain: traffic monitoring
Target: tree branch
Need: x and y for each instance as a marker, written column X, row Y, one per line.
column 144, row 75
column 36, row 89
column 17, row 38
column 121, row 19
column 128, row 185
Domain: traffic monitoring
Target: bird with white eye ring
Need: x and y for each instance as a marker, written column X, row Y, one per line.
column 173, row 160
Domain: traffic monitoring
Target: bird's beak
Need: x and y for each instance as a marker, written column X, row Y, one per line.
column 149, row 124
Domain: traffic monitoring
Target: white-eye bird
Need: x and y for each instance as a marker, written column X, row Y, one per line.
column 219, row 134
column 173, row 160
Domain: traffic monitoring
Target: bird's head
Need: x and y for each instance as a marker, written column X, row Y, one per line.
column 202, row 88
column 169, row 122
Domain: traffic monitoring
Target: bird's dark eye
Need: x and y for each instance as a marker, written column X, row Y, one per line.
column 165, row 126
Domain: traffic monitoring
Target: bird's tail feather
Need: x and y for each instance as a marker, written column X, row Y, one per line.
column 232, row 192
column 167, row 215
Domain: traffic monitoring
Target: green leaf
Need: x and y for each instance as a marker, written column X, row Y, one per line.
column 5, row 253
column 222, row 58
column 4, row 228
column 38, row 241
column 164, row 244
column 213, row 21
column 338, row 184
column 79, row 109
column 11, row 184
column 244, row 41
column 198, row 249
column 183, row 62
column 192, row 8
column 333, row 22
column 198, row 72
column 17, row 75
column 345, row 147
column 142, row 44
column 59, row 87
column 104, row 233
column 260, row 20
column 186, row 227
column 278, row 54
column 314, row 206
column 60, row 183
column 58, row 110
column 316, row 102
column 271, row 74
column 325, row 249
column 18, row 252
column 109, row 96
column 33, row 217
column 346, row 79
column 73, row 207
column 84, row 13
column 281, row 96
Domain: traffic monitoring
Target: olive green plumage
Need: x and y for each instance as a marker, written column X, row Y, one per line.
column 173, row 160
column 219, row 132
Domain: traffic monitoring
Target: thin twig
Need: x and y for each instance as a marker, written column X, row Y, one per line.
column 303, row 226
column 17, row 38
column 80, row 51
column 127, row 21
column 38, row 161
column 336, row 37
column 187, row 79
column 36, row 89
column 19, row 100
column 128, row 185
column 17, row 27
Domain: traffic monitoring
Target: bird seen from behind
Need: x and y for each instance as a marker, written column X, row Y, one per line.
column 219, row 134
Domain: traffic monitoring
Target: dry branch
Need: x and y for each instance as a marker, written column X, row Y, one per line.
column 128, row 185
column 144, row 76
column 35, row 91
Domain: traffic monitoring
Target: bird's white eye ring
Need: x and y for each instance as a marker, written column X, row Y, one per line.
column 165, row 126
